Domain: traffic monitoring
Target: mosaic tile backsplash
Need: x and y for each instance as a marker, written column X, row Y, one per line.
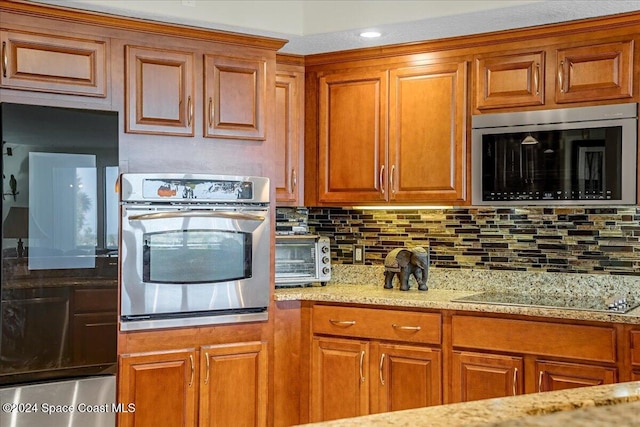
column 552, row 239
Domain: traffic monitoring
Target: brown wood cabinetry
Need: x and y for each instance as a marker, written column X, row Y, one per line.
column 477, row 376
column 371, row 373
column 584, row 72
column 509, row 80
column 235, row 97
column 560, row 376
column 54, row 63
column 427, row 133
column 339, row 385
column 161, row 99
column 289, row 138
column 595, row 72
column 163, row 387
column 160, row 91
column 352, row 125
column 634, row 344
column 422, row 158
column 501, row 357
column 217, row 385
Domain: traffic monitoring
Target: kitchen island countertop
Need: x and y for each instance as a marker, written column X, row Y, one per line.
column 613, row 405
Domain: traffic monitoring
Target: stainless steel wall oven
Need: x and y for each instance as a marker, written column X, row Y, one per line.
column 195, row 250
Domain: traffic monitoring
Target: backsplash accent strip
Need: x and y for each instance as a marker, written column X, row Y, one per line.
column 552, row 239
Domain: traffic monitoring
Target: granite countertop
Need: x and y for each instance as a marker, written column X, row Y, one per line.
column 605, row 405
column 363, row 286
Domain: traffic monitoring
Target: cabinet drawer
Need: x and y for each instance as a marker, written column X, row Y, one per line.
column 635, row 347
column 377, row 323
column 580, row 342
column 95, row 300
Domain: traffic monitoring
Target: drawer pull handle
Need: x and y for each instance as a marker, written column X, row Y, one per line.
column 536, row 79
column 381, row 178
column 515, row 380
column 190, row 111
column 380, row 370
column 5, row 60
column 406, row 328
column 362, row 366
column 342, row 322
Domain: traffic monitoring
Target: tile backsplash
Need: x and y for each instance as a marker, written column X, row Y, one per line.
column 603, row 240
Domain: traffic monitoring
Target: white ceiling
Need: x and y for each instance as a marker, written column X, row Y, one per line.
column 318, row 26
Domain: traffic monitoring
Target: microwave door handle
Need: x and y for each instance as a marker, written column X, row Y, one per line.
column 198, row 213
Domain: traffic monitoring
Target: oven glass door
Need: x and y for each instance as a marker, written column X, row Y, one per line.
column 196, row 256
column 181, row 262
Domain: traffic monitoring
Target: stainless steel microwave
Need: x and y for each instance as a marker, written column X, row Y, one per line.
column 302, row 260
column 584, row 155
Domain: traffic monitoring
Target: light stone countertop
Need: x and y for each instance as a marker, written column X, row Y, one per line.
column 363, row 285
column 613, row 405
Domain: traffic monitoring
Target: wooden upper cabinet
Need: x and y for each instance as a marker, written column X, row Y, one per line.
column 514, row 80
column 289, row 140
column 352, row 136
column 56, row 64
column 595, row 72
column 233, row 385
column 162, row 386
column 235, row 97
column 427, row 128
column 159, row 91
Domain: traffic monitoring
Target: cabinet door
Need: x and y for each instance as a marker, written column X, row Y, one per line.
column 339, row 383
column 482, row 376
column 50, row 63
column 408, row 377
column 161, row 385
column 159, row 91
column 515, row 80
column 289, row 112
column 427, row 133
column 597, row 72
column 233, row 384
column 235, row 97
column 560, row 376
column 352, row 137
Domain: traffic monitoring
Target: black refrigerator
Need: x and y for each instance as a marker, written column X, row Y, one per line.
column 58, row 317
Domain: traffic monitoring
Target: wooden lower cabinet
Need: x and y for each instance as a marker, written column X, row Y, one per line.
column 161, row 385
column 408, row 377
column 478, row 376
column 561, row 376
column 228, row 380
column 339, row 383
column 356, row 377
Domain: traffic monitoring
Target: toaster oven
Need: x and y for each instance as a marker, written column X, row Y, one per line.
column 302, row 260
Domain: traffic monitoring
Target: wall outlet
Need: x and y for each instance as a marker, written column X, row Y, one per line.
column 358, row 254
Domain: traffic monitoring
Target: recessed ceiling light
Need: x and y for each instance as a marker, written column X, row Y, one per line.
column 370, row 34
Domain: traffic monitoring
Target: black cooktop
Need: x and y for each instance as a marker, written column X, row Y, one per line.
column 617, row 304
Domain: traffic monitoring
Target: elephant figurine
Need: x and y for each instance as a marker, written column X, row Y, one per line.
column 405, row 262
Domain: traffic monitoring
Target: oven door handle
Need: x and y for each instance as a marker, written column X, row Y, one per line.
column 197, row 213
